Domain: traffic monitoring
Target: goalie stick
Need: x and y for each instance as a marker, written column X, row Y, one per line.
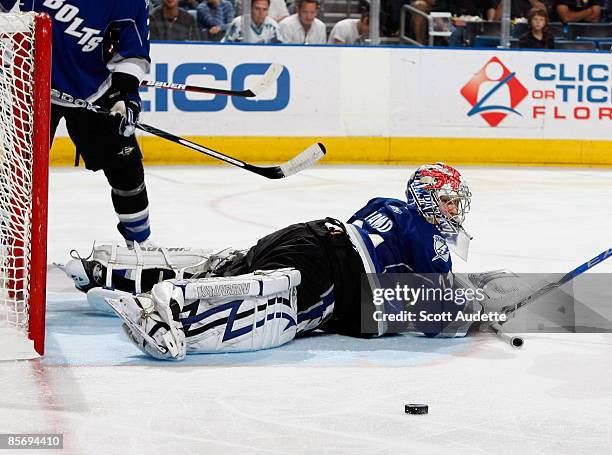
column 303, row 160
column 517, row 342
column 270, row 77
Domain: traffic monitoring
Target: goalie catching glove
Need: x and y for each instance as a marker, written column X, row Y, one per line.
column 501, row 289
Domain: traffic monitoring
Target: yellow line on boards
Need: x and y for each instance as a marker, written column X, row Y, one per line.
column 370, row 150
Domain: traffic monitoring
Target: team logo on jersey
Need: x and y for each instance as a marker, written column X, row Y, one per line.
column 441, row 249
column 494, row 92
column 88, row 38
column 379, row 222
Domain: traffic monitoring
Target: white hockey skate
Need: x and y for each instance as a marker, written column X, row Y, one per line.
column 149, row 321
column 85, row 274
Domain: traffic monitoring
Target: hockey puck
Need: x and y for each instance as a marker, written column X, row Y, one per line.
column 416, row 409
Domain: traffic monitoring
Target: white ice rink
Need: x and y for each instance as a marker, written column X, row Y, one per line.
column 324, row 394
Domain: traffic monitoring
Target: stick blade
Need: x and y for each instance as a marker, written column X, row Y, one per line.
column 267, row 80
column 304, row 160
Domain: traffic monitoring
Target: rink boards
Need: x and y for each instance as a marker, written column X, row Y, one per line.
column 382, row 105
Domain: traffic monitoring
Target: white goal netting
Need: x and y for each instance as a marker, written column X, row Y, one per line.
column 16, row 175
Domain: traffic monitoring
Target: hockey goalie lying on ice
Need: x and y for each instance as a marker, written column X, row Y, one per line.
column 304, row 277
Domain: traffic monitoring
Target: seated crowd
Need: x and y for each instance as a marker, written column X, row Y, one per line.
column 272, row 21
column 536, row 23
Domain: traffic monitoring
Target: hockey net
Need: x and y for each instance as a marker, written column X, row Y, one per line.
column 25, row 62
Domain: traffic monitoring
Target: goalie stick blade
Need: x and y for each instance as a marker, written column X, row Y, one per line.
column 302, row 161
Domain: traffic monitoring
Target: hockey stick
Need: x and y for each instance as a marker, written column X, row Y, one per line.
column 270, row 76
column 517, row 342
column 303, row 160
column 298, row 163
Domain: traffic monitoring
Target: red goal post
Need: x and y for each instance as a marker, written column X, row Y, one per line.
column 25, row 83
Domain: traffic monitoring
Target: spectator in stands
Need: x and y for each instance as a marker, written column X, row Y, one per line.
column 606, row 12
column 522, row 8
column 278, row 9
column 462, row 11
column 351, row 31
column 154, row 4
column 215, row 17
column 185, row 4
column 418, row 23
column 578, row 10
column 263, row 29
column 170, row 23
column 189, row 4
column 483, row 9
column 390, row 15
column 303, row 27
column 537, row 36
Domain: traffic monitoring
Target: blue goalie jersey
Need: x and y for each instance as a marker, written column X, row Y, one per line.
column 394, row 238
column 82, row 65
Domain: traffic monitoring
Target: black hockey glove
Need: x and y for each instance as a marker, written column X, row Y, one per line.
column 124, row 101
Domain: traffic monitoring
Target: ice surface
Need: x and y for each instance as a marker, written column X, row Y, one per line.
column 323, row 394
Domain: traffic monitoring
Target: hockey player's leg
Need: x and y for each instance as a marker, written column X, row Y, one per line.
column 57, row 112
column 135, row 269
column 97, row 140
column 330, row 270
column 232, row 314
column 242, row 313
column 125, row 175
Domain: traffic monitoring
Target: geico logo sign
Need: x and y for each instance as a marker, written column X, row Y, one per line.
column 189, row 102
column 66, row 13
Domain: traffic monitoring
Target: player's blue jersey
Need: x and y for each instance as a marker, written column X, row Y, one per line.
column 395, row 238
column 81, row 31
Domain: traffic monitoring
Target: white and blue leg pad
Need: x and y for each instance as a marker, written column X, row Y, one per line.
column 227, row 314
column 243, row 313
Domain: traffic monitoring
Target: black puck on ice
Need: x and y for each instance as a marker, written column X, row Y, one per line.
column 416, row 409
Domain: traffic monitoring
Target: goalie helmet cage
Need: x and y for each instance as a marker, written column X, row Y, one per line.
column 25, row 86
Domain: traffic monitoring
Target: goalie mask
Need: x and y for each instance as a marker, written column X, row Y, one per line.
column 442, row 197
